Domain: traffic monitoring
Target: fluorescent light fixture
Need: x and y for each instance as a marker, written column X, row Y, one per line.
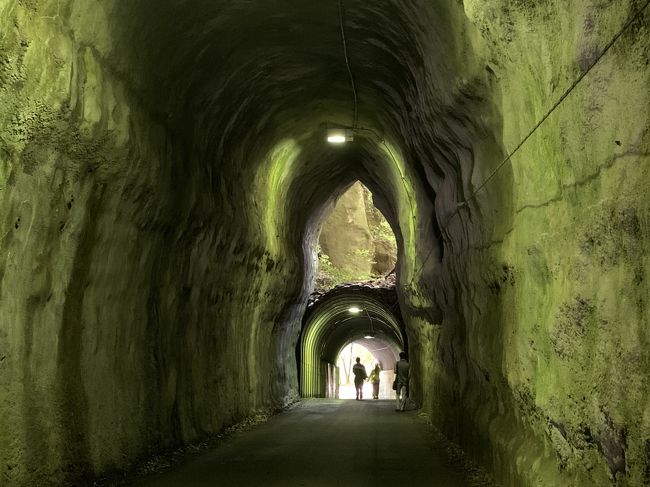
column 336, row 139
column 339, row 135
column 369, row 337
column 354, row 310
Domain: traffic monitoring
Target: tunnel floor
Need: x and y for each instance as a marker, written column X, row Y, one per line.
column 327, row 442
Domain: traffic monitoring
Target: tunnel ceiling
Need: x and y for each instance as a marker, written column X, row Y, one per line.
column 238, row 78
column 243, row 91
column 278, row 69
column 247, row 88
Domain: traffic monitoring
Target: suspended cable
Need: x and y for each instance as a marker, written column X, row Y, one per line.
column 564, row 95
column 347, row 64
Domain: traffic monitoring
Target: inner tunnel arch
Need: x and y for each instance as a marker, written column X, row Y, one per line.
column 329, row 325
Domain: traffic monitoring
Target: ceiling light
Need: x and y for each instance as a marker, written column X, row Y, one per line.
column 339, row 135
column 354, row 310
column 369, row 336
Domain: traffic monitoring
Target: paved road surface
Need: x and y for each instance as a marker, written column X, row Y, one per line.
column 322, row 442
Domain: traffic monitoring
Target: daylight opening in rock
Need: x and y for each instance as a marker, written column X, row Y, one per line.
column 356, row 241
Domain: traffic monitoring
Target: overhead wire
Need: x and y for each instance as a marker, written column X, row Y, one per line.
column 347, row 64
column 509, row 156
column 380, row 138
column 559, row 101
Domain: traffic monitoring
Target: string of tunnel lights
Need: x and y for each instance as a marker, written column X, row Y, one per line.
column 356, row 310
column 341, row 134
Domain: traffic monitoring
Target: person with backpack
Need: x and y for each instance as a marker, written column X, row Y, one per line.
column 360, row 375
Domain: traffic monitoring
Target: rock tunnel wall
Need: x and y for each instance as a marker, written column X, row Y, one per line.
column 541, row 360
column 141, row 308
column 163, row 177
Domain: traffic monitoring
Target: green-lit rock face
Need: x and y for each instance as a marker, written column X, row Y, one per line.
column 163, row 175
column 345, row 239
column 356, row 243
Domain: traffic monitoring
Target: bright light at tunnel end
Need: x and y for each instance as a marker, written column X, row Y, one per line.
column 354, row 310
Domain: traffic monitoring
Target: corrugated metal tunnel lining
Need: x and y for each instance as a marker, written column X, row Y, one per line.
column 329, row 325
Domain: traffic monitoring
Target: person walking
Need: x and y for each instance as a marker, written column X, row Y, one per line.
column 360, row 375
column 374, row 378
column 402, row 374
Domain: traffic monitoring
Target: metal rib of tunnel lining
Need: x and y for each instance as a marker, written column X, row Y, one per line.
column 328, row 326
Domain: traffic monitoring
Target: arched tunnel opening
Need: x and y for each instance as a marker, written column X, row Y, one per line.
column 366, row 314
column 356, row 243
column 165, row 170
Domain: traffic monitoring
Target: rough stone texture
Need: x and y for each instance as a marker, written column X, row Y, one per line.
column 163, row 175
column 543, row 353
column 356, row 239
column 345, row 235
column 383, row 237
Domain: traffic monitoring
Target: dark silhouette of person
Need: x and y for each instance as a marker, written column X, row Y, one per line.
column 374, row 378
column 360, row 375
column 402, row 373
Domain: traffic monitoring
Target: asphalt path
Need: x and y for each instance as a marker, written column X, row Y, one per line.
column 323, row 442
